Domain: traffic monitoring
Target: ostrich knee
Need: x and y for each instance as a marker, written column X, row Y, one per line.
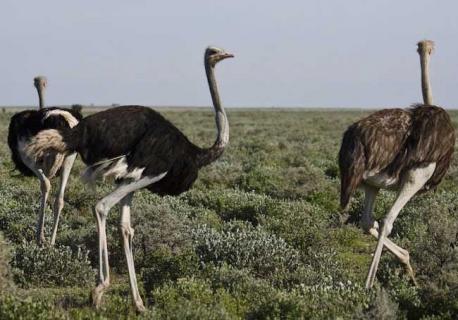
column 45, row 185
column 101, row 210
column 101, row 213
column 387, row 227
column 126, row 231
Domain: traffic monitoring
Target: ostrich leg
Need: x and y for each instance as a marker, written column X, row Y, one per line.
column 101, row 212
column 45, row 187
column 413, row 181
column 127, row 233
column 367, row 220
column 104, row 271
column 59, row 202
column 371, row 226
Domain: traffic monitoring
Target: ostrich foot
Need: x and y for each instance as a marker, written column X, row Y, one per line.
column 139, row 306
column 402, row 254
column 411, row 274
column 97, row 294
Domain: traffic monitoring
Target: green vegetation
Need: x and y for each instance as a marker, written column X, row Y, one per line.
column 260, row 236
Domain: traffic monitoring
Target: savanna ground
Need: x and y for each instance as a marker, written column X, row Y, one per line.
column 260, row 235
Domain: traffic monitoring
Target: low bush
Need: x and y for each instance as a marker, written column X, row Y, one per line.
column 381, row 308
column 260, row 299
column 192, row 298
column 18, row 209
column 244, row 246
column 232, row 204
column 12, row 308
column 5, row 272
column 159, row 229
column 166, row 265
column 50, row 266
column 285, row 183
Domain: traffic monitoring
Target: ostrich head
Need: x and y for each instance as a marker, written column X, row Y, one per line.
column 425, row 47
column 40, row 82
column 213, row 55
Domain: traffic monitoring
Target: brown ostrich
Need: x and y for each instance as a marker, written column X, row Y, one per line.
column 404, row 150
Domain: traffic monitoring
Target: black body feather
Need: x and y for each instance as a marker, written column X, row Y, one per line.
column 26, row 124
column 147, row 140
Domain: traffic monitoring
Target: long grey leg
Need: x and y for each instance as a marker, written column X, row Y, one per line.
column 101, row 212
column 59, row 201
column 413, row 181
column 367, row 219
column 369, row 225
column 45, row 187
column 127, row 233
column 104, row 271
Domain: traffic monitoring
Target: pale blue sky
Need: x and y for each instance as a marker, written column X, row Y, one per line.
column 353, row 53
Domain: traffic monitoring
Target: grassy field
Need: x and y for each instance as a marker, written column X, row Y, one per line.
column 259, row 236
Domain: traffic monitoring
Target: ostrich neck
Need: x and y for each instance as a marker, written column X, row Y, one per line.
column 425, row 84
column 209, row 155
column 41, row 97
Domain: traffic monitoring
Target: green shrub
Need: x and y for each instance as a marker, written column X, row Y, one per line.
column 5, row 272
column 279, row 182
column 18, row 209
column 159, row 229
column 192, row 298
column 381, row 308
column 244, row 246
column 260, row 299
column 50, row 266
column 12, row 308
column 232, row 204
column 166, row 265
column 286, row 219
column 439, row 296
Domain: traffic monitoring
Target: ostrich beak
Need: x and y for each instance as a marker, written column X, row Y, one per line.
column 228, row 55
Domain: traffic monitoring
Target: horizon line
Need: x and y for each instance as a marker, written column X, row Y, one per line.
column 113, row 105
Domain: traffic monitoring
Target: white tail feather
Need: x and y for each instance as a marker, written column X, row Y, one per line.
column 116, row 168
column 45, row 141
column 71, row 120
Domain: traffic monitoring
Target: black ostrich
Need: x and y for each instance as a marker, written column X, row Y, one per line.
column 140, row 149
column 403, row 150
column 25, row 125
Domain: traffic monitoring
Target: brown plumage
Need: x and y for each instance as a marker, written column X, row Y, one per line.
column 392, row 141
